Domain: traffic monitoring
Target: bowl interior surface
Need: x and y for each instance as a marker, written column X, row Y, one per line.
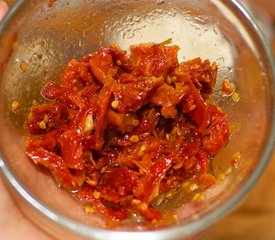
column 45, row 39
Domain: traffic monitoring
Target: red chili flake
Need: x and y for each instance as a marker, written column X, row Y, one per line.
column 51, row 3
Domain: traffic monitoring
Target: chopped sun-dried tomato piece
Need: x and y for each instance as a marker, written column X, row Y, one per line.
column 55, row 164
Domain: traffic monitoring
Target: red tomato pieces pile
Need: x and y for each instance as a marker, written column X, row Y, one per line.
column 120, row 130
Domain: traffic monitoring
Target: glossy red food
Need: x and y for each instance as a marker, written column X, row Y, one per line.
column 121, row 130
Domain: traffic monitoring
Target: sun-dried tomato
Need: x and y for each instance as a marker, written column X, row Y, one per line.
column 122, row 130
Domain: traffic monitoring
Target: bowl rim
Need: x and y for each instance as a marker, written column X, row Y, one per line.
column 161, row 234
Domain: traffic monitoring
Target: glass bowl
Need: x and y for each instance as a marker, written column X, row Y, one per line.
column 38, row 41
